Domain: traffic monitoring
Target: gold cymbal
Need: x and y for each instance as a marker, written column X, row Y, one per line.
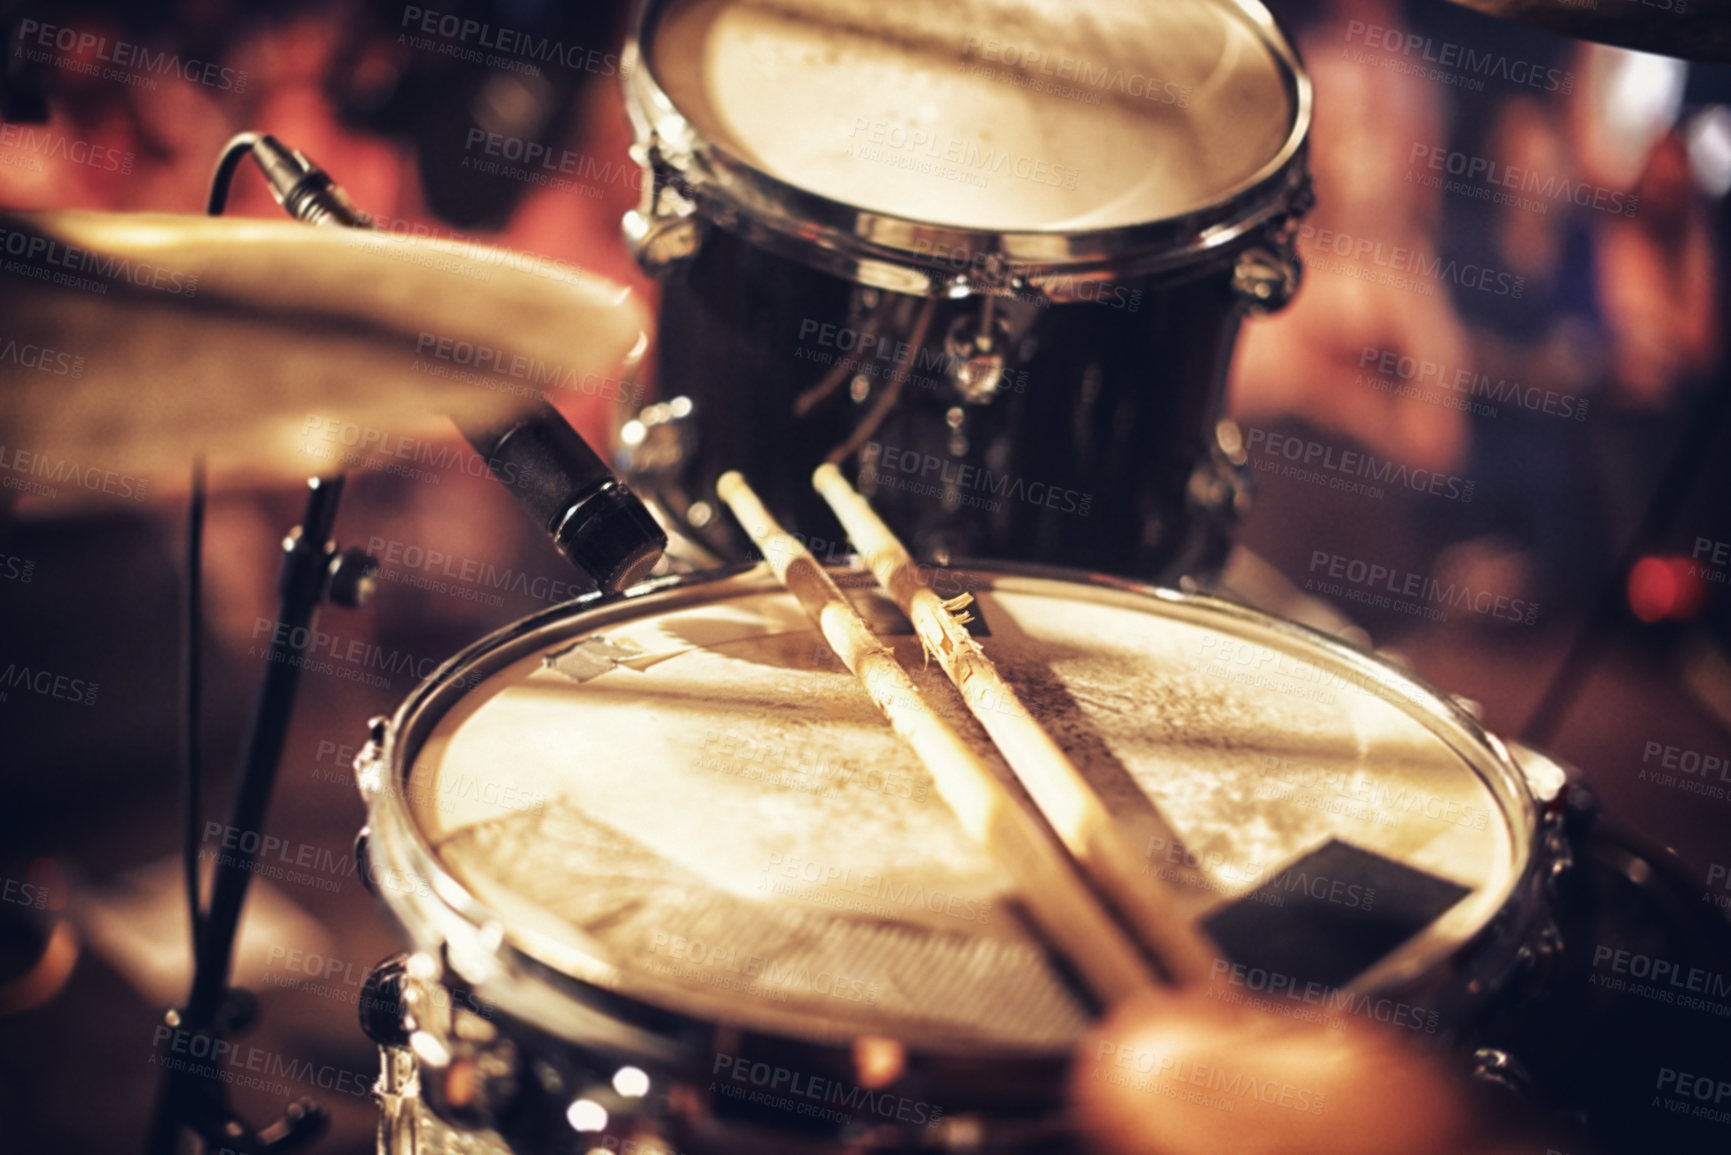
column 131, row 342
column 1696, row 30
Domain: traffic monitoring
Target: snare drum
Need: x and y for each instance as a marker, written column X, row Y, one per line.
column 989, row 256
column 672, row 880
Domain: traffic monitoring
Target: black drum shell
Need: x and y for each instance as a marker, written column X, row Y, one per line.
column 1098, row 450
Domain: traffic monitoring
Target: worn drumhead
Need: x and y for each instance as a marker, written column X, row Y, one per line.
column 688, row 801
column 1012, row 115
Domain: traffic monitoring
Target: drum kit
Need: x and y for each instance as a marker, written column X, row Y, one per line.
column 730, row 911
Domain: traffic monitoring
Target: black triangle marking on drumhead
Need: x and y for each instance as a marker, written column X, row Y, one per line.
column 1329, row 915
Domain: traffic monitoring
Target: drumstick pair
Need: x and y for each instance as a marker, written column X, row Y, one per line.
column 1076, row 925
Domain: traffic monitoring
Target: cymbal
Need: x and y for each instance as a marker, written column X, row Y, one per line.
column 130, row 342
column 1696, row 30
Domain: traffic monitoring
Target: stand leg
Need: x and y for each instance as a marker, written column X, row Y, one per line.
column 184, row 1099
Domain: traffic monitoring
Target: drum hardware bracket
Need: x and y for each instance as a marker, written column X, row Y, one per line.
column 975, row 349
column 666, row 228
column 1266, row 277
column 1497, row 1068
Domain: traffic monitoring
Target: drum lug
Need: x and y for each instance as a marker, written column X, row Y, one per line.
column 371, row 764
column 1538, row 960
column 1497, row 1068
column 976, row 353
column 655, row 444
column 1267, row 276
column 1221, row 484
column 1545, row 776
column 381, row 1003
column 666, row 227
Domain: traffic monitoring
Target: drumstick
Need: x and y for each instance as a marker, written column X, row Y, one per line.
column 1069, row 803
column 1065, row 912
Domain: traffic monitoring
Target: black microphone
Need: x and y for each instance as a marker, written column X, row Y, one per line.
column 593, row 517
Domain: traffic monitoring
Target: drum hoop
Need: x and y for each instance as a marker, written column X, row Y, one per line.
column 543, row 982
column 907, row 255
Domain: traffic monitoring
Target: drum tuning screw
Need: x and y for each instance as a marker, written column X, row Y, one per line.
column 353, row 577
column 859, row 389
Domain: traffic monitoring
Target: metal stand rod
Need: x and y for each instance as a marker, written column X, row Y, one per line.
column 305, row 573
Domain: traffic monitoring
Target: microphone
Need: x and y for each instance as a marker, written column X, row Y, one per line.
column 594, row 519
column 303, row 189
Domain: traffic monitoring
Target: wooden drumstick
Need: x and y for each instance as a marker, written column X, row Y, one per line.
column 1069, row 803
column 1066, row 913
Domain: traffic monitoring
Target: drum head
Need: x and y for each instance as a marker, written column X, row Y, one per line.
column 998, row 115
column 683, row 798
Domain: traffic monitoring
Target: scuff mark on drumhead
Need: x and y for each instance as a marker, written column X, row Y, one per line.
column 592, row 657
